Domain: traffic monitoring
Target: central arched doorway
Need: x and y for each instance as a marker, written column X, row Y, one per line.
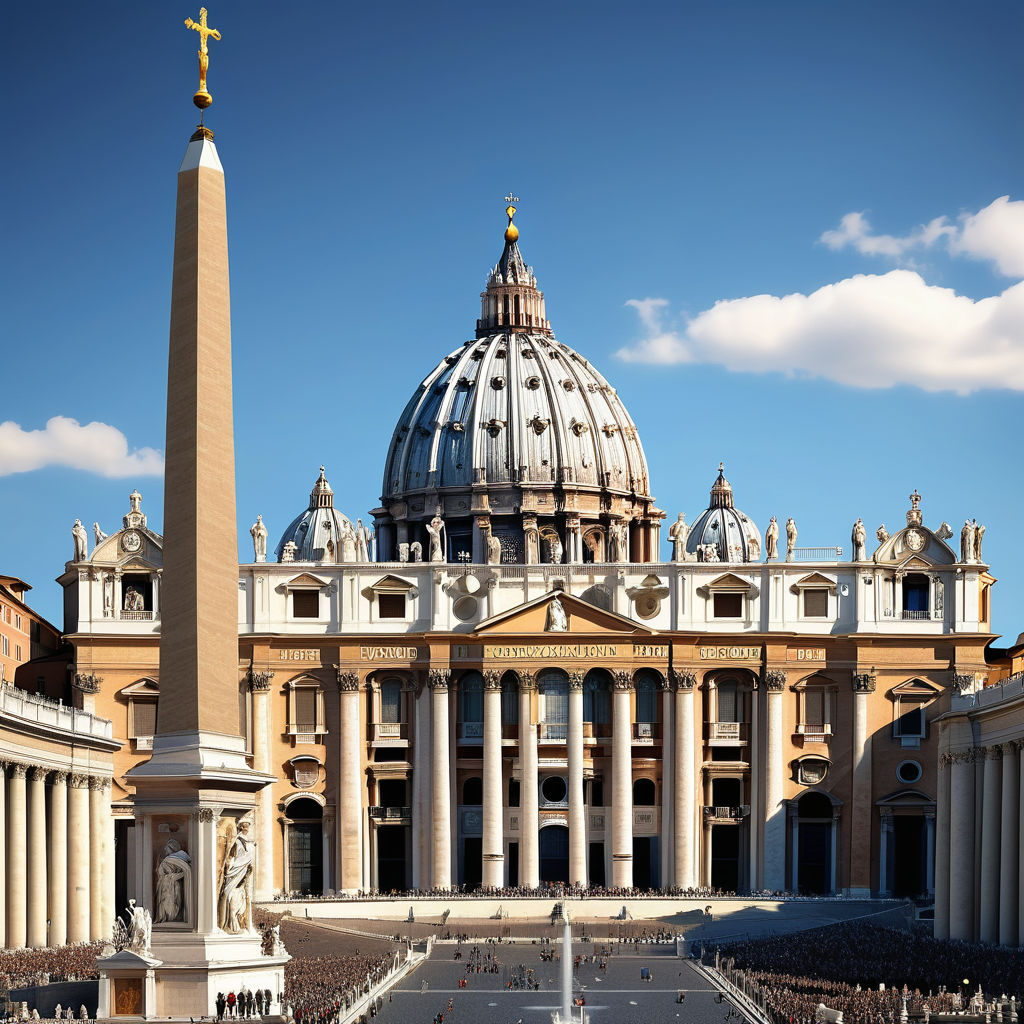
column 305, row 846
column 554, row 853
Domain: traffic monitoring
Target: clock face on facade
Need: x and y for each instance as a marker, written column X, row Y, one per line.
column 131, row 541
column 915, row 540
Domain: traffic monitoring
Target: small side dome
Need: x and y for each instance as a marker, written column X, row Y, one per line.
column 319, row 533
column 721, row 533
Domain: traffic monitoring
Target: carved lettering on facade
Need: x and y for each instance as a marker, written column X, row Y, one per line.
column 559, row 651
column 650, row 651
column 388, row 653
column 730, row 653
column 805, row 654
column 298, row 655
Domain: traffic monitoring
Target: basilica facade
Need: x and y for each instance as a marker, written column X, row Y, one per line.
column 502, row 680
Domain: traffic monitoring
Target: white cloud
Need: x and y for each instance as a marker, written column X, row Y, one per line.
column 854, row 230
column 867, row 331
column 95, row 448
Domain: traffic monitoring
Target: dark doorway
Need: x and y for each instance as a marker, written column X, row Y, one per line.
column 124, row 862
column 513, row 864
column 725, row 857
column 908, row 855
column 472, row 862
column 554, row 854
column 391, row 858
column 814, row 855
column 596, row 864
column 305, row 857
column 645, row 870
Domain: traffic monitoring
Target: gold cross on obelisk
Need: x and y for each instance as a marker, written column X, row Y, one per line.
column 202, row 98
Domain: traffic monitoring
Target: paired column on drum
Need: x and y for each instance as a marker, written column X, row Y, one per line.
column 774, row 815
column 350, row 789
column 683, row 819
column 441, row 805
column 577, row 811
column 529, row 831
column 493, row 875
column 622, row 782
column 259, row 687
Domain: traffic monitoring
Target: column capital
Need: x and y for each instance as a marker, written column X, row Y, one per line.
column 775, row 680
column 962, row 681
column 1010, row 747
column 993, row 753
column 439, row 679
column 38, row 774
column 60, row 778
column 527, row 680
column 959, row 756
column 682, row 679
column 78, row 781
column 348, row 681
column 864, row 682
column 87, row 682
column 18, row 770
column 576, row 680
column 205, row 814
column 259, row 682
column 97, row 782
column 622, row 681
column 492, row 679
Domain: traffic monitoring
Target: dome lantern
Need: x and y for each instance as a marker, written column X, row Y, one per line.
column 722, row 533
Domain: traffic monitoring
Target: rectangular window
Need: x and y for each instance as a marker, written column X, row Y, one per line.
column 391, row 606
column 597, row 791
column 814, row 709
column 17, row 652
column 306, row 604
column 17, row 622
column 815, row 603
column 305, row 710
column 910, row 722
column 6, row 647
column 728, row 606
column 144, row 717
column 727, row 702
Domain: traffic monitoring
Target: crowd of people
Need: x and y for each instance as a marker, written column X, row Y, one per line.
column 547, row 890
column 868, row 971
column 319, row 989
column 22, row 968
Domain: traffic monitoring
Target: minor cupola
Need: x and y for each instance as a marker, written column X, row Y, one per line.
column 722, row 533
column 511, row 301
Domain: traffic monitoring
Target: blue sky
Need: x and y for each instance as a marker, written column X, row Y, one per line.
column 686, row 153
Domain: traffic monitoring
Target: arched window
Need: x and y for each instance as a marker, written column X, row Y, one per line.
column 814, row 805
column 643, row 793
column 915, row 593
column 473, row 791
column 646, row 696
column 471, row 697
column 597, row 697
column 391, row 701
column 509, row 700
column 553, row 689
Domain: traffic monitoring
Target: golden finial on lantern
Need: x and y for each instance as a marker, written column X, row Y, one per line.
column 202, row 98
column 511, row 232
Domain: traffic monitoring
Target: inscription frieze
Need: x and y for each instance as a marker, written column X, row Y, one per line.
column 560, row 651
column 390, row 653
column 724, row 653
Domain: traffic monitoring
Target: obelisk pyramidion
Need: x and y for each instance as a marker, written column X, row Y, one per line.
column 192, row 932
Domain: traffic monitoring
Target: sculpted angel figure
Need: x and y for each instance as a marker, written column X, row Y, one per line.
column 967, row 538
column 678, row 533
column 81, row 541
column 174, row 884
column 434, row 530
column 234, row 904
column 791, row 536
column 259, row 539
column 98, row 533
column 882, row 534
column 771, row 540
column 979, row 533
column 859, row 537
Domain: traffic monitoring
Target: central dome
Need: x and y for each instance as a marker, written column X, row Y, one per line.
column 518, row 437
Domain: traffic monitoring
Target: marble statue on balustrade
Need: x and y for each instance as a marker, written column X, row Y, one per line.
column 403, row 551
column 135, row 501
column 493, row 550
column 555, row 551
column 435, row 529
column 771, row 540
column 133, row 600
column 98, row 533
column 967, row 539
column 678, row 533
column 234, row 902
column 81, row 541
column 617, row 542
column 347, row 540
column 882, row 534
column 416, row 551
column 259, row 539
column 791, row 536
column 979, row 533
column 362, row 547
column 709, row 553
column 859, row 538
column 557, row 620
column 174, row 885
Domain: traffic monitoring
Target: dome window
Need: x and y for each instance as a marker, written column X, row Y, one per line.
column 578, row 427
column 533, row 383
column 569, row 385
column 497, row 383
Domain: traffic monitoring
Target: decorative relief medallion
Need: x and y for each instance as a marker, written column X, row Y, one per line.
column 131, row 541
column 915, row 539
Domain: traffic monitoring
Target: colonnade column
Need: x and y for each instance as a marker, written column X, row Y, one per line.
column 420, row 790
column 861, row 812
column 259, row 687
column 668, row 784
column 1020, row 846
column 441, row 806
column 1009, row 881
column 622, row 782
column 16, row 857
column 493, row 875
column 35, row 934
column 3, row 856
column 109, row 850
column 529, row 830
column 98, row 816
column 78, row 858
column 349, row 789
column 58, row 873
column 941, row 925
column 684, row 823
column 774, row 818
column 991, row 807
column 577, row 811
column 961, row 846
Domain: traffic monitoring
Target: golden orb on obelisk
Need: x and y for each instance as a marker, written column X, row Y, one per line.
column 202, row 98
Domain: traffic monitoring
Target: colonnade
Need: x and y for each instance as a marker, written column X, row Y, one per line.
column 978, row 861
column 56, row 856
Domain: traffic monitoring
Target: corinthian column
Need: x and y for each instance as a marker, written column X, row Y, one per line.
column 58, row 873
column 441, row 802
column 3, row 856
column 961, row 847
column 493, row 876
column 350, row 791
column 259, row 686
column 622, row 783
column 529, row 832
column 991, row 807
column 941, row 926
column 860, row 813
column 16, row 857
column 774, row 817
column 1009, row 852
column 99, row 817
column 78, row 858
column 577, row 812
column 36, row 932
column 421, row 790
column 684, row 822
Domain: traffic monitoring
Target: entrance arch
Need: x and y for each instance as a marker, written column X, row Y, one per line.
column 554, row 853
column 305, row 846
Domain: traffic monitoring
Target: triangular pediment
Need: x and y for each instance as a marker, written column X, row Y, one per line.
column 728, row 581
column 916, row 688
column 392, row 585
column 915, row 564
column 306, row 581
column 141, row 688
column 533, row 617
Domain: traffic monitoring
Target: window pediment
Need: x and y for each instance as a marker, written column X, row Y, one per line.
column 729, row 583
column 914, row 689
column 306, row 581
column 814, row 580
column 141, row 689
column 390, row 584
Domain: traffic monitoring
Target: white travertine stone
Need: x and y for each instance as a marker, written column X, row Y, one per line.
column 684, row 823
column 941, row 926
column 351, row 809
column 99, row 815
column 577, row 811
column 529, row 831
column 861, row 812
column 265, row 798
column 493, row 875
column 421, row 790
column 16, row 857
column 441, row 807
column 78, row 858
column 991, row 807
column 622, row 790
column 36, row 925
column 775, row 817
column 201, row 153
column 58, row 866
column 1009, row 880
column 961, row 848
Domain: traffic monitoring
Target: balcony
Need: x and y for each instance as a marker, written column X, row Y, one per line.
column 307, row 732
column 914, row 616
column 390, row 732
column 645, row 733
column 472, row 731
column 814, row 733
column 553, row 732
column 127, row 615
column 390, row 813
column 715, row 813
column 727, row 734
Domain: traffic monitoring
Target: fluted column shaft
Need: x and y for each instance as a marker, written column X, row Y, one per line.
column 775, row 819
column 350, row 790
column 259, row 685
column 991, row 806
column 441, row 806
column 1009, row 852
column 17, row 876
column 78, row 858
column 961, row 848
column 577, row 811
column 622, row 784
column 493, row 874
column 36, row 856
column 684, row 822
column 529, row 848
column 861, row 812
column 941, row 926
column 3, row 856
column 58, row 866
column 99, row 815
column 421, row 791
